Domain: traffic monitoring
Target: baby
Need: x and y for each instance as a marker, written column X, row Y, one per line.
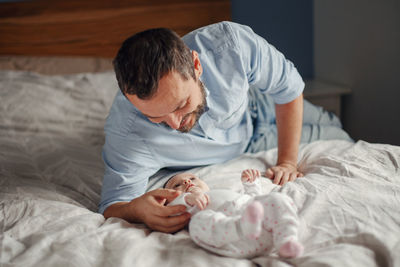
column 238, row 225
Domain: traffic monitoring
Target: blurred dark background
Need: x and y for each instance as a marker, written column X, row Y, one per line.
column 354, row 43
column 288, row 25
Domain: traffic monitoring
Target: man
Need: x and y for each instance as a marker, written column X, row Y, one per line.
column 185, row 103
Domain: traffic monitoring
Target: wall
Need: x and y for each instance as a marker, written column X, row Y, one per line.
column 358, row 43
column 285, row 24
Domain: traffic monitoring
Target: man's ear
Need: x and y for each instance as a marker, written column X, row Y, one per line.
column 198, row 69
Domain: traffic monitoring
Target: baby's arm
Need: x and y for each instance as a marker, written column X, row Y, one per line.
column 250, row 175
column 251, row 183
column 193, row 199
column 198, row 199
column 180, row 200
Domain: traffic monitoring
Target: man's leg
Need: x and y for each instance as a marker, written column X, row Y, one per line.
column 318, row 124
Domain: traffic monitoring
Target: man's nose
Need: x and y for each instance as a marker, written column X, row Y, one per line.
column 174, row 121
column 187, row 181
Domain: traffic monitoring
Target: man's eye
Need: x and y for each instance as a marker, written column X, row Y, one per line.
column 184, row 105
column 177, row 185
column 193, row 178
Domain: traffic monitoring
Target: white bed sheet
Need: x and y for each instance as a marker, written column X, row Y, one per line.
column 51, row 133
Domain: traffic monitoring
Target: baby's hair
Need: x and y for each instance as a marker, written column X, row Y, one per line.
column 165, row 184
column 175, row 174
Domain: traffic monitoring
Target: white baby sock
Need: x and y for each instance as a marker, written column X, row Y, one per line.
column 252, row 220
column 291, row 249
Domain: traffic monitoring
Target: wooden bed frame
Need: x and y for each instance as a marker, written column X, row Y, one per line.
column 96, row 28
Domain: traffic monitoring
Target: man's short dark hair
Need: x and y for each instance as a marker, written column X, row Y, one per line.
column 146, row 57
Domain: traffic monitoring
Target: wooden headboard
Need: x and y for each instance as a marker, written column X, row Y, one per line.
column 96, row 27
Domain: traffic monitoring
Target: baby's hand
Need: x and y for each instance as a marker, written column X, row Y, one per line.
column 198, row 199
column 250, row 175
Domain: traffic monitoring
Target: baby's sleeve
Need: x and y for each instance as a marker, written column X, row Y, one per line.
column 252, row 188
column 180, row 200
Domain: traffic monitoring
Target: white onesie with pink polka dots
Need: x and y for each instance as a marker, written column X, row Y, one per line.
column 228, row 225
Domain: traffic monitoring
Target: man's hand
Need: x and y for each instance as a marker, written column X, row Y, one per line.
column 250, row 175
column 283, row 173
column 198, row 199
column 149, row 209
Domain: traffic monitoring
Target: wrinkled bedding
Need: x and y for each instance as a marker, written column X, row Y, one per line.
column 51, row 134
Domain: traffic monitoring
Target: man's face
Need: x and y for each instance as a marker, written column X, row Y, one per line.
column 178, row 103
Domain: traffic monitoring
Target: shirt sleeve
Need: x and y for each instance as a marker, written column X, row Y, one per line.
column 128, row 165
column 266, row 68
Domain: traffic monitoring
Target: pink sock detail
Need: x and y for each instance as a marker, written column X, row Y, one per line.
column 254, row 212
column 291, row 249
column 251, row 220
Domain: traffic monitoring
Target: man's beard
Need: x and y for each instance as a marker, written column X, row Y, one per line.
column 201, row 108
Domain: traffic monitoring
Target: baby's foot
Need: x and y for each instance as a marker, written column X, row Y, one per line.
column 251, row 220
column 291, row 249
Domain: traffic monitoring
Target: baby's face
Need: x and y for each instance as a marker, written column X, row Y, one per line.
column 187, row 182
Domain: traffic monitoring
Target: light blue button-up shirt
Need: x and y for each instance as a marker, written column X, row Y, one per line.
column 233, row 58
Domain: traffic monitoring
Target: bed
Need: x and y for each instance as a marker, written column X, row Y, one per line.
column 52, row 113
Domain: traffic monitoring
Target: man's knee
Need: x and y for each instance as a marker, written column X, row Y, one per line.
column 313, row 114
column 313, row 132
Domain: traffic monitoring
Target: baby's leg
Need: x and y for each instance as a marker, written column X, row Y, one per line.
column 280, row 218
column 213, row 229
column 251, row 220
column 217, row 229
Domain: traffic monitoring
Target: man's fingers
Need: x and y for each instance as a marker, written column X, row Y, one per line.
column 285, row 178
column 171, row 224
column 293, row 176
column 281, row 175
column 177, row 220
column 269, row 173
column 165, row 211
column 278, row 177
column 167, row 224
column 168, row 194
column 170, row 229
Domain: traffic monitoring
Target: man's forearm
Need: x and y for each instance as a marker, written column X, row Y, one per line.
column 121, row 210
column 289, row 121
column 150, row 209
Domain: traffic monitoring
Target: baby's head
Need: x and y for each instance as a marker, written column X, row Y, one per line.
column 186, row 182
